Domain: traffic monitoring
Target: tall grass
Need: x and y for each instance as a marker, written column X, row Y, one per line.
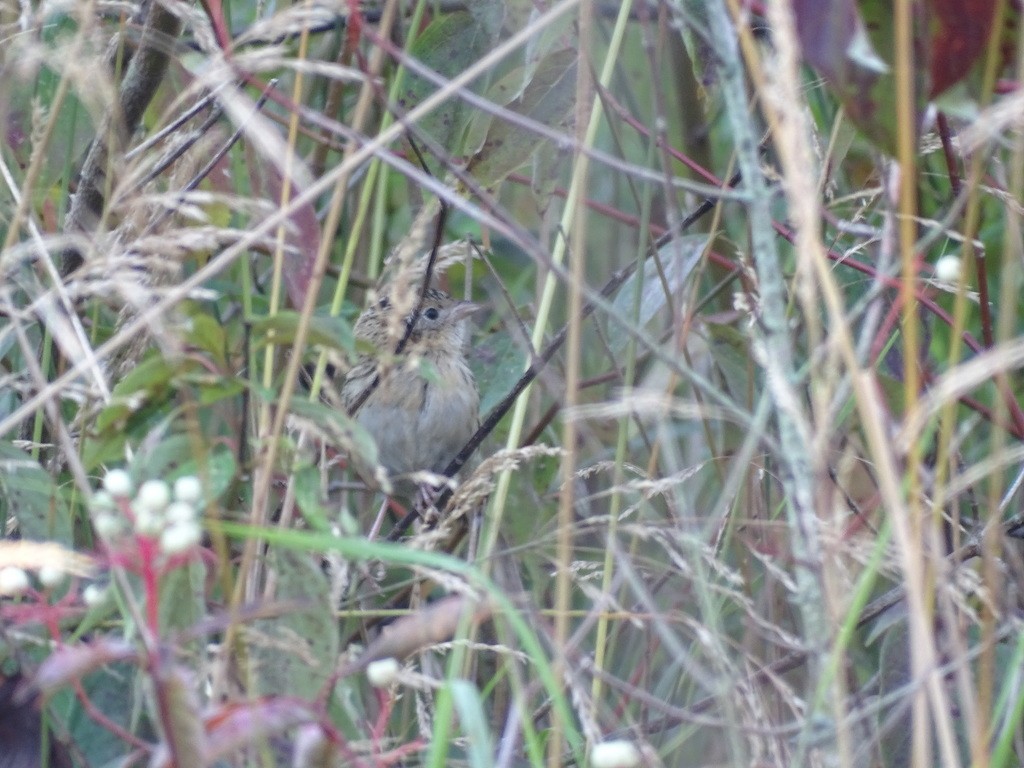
column 747, row 486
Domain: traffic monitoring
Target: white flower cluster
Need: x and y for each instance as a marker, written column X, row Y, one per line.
column 14, row 581
column 159, row 511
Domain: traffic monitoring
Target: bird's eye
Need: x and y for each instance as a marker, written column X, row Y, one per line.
column 431, row 313
column 384, row 303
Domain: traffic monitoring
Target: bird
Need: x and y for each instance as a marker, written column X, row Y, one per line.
column 419, row 419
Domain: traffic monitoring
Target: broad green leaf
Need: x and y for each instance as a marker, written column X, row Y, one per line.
column 170, row 456
column 147, row 380
column 497, row 362
column 207, row 334
column 325, row 331
column 160, row 453
column 112, row 691
column 183, row 599
column 519, row 12
column 212, row 390
column 293, row 654
column 546, row 173
column 449, row 45
column 548, row 98
column 28, row 493
column 729, row 349
column 144, row 407
column 563, row 34
column 135, row 421
column 868, row 88
column 488, row 15
column 308, row 498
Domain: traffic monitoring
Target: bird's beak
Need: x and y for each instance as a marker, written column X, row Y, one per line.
column 463, row 309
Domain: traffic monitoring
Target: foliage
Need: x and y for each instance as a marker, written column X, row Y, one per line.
column 754, row 501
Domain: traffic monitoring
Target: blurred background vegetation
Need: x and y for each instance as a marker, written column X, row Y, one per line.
column 760, row 261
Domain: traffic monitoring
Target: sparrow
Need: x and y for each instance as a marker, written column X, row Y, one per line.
column 425, row 404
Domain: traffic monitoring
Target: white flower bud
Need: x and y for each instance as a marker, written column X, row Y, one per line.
column 52, row 576
column 13, row 581
column 188, row 489
column 383, row 672
column 117, row 482
column 180, row 537
column 94, row 594
column 153, row 495
column 180, row 512
column 148, row 522
column 107, row 525
column 615, row 754
column 947, row 269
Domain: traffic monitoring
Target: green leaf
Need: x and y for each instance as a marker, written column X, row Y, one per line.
column 171, row 456
column 183, row 600
column 548, row 98
column 496, row 362
column 293, row 654
column 217, row 470
column 488, row 15
column 113, row 691
column 147, row 380
column 212, row 391
column 207, row 334
column 449, row 46
column 307, row 497
column 28, row 492
column 324, row 331
column 730, row 352
column 109, row 446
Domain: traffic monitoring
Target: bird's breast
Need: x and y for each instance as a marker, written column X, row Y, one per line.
column 421, row 422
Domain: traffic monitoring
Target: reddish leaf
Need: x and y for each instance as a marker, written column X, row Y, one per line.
column 959, row 31
column 850, row 42
column 355, row 25
column 851, row 46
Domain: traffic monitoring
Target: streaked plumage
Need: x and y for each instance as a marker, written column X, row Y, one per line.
column 419, row 420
